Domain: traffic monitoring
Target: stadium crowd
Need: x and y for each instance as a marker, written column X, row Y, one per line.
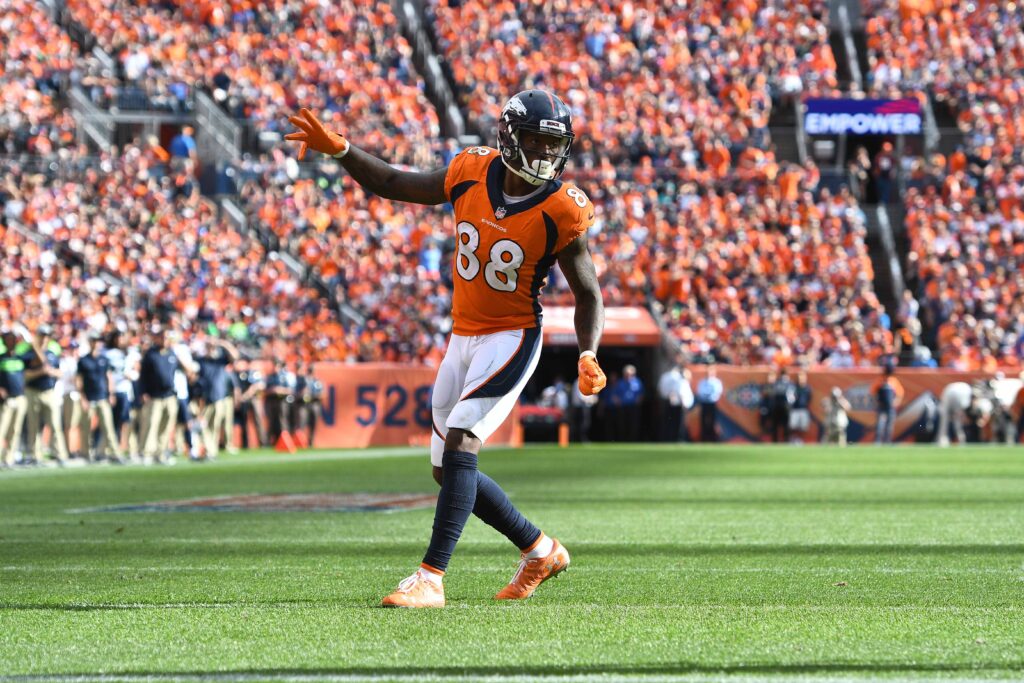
column 964, row 213
column 262, row 61
column 645, row 79
column 36, row 60
column 636, row 230
column 152, row 231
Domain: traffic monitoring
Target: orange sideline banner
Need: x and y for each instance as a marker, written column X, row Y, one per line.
column 738, row 410
column 623, row 326
column 381, row 404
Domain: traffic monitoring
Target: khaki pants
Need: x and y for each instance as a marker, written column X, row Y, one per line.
column 12, row 418
column 216, row 417
column 159, row 416
column 72, row 414
column 106, row 418
column 229, row 425
column 44, row 409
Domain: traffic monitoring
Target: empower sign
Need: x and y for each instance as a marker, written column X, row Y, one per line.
column 862, row 117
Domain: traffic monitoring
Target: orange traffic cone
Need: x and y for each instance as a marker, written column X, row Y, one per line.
column 300, row 440
column 517, row 434
column 285, row 443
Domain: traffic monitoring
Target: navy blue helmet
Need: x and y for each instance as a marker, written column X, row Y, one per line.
column 541, row 113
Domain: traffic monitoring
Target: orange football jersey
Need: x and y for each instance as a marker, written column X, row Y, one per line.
column 505, row 251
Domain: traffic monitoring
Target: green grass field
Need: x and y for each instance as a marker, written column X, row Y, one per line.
column 695, row 563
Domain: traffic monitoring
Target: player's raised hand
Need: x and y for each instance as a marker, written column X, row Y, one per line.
column 592, row 379
column 313, row 135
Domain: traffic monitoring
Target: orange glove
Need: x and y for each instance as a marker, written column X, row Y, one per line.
column 313, row 135
column 592, row 379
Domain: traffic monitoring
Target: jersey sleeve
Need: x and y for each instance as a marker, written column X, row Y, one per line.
column 577, row 215
column 454, row 173
column 468, row 164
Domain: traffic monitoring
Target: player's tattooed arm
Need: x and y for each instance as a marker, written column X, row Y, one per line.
column 578, row 268
column 385, row 180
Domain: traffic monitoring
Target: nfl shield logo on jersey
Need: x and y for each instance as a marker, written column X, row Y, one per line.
column 499, row 213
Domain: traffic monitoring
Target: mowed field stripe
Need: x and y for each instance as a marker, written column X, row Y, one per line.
column 723, row 677
column 830, row 571
column 319, row 605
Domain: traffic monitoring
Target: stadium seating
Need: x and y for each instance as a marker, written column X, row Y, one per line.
column 964, row 213
column 127, row 232
column 654, row 79
column 262, row 62
column 750, row 278
column 652, row 178
column 154, row 237
column 36, row 58
column 354, row 66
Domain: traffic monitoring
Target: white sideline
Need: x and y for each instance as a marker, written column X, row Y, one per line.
column 233, row 461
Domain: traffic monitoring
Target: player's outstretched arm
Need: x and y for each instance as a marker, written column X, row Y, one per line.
column 578, row 268
column 372, row 173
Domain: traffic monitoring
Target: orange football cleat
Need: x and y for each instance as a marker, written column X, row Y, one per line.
column 416, row 591
column 532, row 573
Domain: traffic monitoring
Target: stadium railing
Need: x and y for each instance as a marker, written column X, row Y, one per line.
column 241, row 223
column 410, row 15
column 97, row 124
column 217, row 134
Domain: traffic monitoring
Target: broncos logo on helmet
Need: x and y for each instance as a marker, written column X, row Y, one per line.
column 541, row 113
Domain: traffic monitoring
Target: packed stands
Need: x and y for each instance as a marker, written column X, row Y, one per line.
column 647, row 79
column 651, row 177
column 377, row 255
column 965, row 213
column 40, row 286
column 752, row 278
column 166, row 245
column 262, row 61
column 162, row 246
column 355, row 70
column 36, row 59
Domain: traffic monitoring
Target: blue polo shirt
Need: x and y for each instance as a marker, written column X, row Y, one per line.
column 214, row 378
column 93, row 371
column 12, row 372
column 52, row 356
column 156, row 373
column 628, row 391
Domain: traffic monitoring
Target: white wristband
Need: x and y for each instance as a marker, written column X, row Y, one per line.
column 342, row 152
column 588, row 353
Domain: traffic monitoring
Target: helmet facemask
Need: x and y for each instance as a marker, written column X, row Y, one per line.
column 548, row 145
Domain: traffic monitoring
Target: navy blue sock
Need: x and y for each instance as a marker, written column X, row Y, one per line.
column 454, row 506
column 494, row 507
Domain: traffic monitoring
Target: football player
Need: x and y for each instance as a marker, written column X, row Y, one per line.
column 514, row 220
